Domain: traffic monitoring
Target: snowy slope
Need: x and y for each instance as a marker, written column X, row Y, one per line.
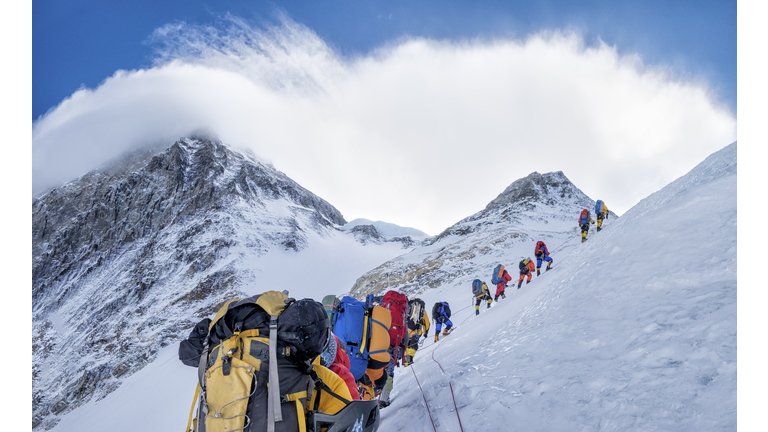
column 633, row 330
column 537, row 207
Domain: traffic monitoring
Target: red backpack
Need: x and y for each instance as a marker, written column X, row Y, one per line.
column 398, row 308
column 584, row 217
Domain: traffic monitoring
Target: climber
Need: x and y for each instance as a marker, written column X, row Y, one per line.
column 418, row 325
column 502, row 286
column 542, row 253
column 481, row 292
column 526, row 269
column 601, row 212
column 441, row 312
column 211, row 347
column 336, row 359
column 584, row 221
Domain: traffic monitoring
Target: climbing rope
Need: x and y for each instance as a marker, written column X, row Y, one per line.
column 424, row 396
column 568, row 239
column 453, row 396
column 450, row 385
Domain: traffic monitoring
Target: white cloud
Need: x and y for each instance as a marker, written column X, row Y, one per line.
column 420, row 133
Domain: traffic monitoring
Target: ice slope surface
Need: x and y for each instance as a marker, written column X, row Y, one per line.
column 635, row 330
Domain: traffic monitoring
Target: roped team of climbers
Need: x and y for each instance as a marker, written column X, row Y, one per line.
column 585, row 219
column 232, row 385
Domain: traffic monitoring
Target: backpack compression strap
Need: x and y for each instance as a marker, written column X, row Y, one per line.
column 192, row 409
column 274, row 413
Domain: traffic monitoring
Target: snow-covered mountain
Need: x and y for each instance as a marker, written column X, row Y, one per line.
column 387, row 229
column 633, row 330
column 127, row 258
column 537, row 207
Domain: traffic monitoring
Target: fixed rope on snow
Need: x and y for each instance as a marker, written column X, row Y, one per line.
column 425, row 398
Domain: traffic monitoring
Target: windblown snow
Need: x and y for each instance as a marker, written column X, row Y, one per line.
column 634, row 330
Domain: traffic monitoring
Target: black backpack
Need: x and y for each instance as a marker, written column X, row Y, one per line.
column 415, row 313
column 252, row 341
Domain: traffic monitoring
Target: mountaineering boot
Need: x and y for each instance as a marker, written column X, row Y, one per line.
column 528, row 281
column 583, row 239
column 503, row 296
column 599, row 229
column 489, row 305
column 538, row 271
column 436, row 338
column 384, row 398
column 519, row 284
column 477, row 311
column 549, row 267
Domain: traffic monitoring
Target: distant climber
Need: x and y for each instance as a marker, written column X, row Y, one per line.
column 526, row 269
column 584, row 221
column 418, row 325
column 601, row 211
column 542, row 254
column 481, row 292
column 441, row 313
column 501, row 283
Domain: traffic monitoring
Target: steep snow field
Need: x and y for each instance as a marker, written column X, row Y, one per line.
column 634, row 330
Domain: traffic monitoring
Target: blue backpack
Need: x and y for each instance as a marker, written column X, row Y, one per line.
column 477, row 287
column 353, row 318
column 584, row 217
column 495, row 279
column 598, row 207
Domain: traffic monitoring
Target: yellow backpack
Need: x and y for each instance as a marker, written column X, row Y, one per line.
column 255, row 372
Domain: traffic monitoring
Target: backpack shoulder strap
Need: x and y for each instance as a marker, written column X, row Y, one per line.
column 319, row 385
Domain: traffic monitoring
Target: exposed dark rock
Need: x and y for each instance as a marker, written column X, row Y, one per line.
column 122, row 255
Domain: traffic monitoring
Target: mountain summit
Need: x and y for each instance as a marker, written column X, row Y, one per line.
column 535, row 207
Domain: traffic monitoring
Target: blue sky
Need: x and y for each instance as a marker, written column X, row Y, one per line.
column 413, row 113
column 82, row 42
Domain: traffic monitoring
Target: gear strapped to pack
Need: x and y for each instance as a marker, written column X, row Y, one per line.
column 235, row 392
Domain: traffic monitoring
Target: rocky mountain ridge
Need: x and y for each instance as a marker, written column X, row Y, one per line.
column 127, row 258
column 536, row 207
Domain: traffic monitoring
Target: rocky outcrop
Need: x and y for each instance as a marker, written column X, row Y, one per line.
column 366, row 234
column 127, row 258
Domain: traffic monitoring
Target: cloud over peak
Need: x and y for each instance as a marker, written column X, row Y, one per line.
column 420, row 132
